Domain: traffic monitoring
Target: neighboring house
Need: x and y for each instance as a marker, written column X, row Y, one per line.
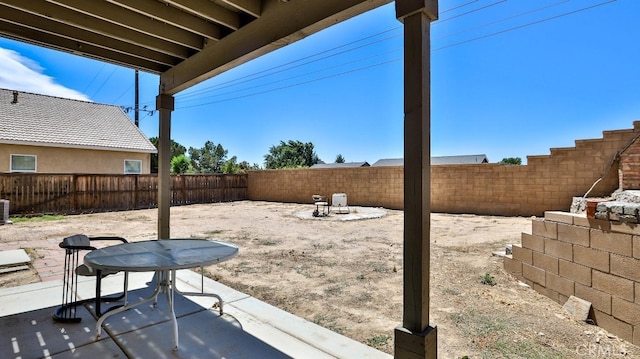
column 46, row 134
column 341, row 165
column 388, row 162
column 442, row 160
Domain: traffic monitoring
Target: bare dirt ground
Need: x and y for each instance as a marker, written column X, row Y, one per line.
column 347, row 275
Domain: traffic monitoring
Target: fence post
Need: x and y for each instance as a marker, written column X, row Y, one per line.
column 74, row 194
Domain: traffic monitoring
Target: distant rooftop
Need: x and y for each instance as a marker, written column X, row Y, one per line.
column 441, row 160
column 341, row 165
column 40, row 120
column 459, row 160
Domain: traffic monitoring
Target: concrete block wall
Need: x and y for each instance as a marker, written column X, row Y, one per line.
column 596, row 260
column 364, row 186
column 547, row 182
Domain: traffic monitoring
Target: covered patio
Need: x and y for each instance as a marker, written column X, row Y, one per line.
column 189, row 41
column 249, row 328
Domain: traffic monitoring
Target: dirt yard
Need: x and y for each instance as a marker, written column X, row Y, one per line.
column 347, row 275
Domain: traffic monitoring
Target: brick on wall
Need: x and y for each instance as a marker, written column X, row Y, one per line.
column 559, row 284
column 546, row 229
column 626, row 311
column 523, row 255
column 618, row 327
column 532, row 242
column 545, row 262
column 616, row 286
column 558, row 249
column 599, row 299
column 626, row 267
column 512, row 266
column 611, row 242
column 573, row 234
column 591, row 257
column 575, row 272
column 533, row 274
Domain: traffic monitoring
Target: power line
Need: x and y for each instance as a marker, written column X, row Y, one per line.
column 270, row 71
column 301, row 59
column 458, row 7
column 95, row 77
column 504, row 19
column 123, row 93
column 298, row 76
column 218, row 87
column 472, row 11
column 115, row 68
column 294, row 85
column 523, row 26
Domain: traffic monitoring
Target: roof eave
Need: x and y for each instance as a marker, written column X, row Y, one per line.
column 76, row 146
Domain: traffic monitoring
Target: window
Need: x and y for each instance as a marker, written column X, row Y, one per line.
column 132, row 167
column 23, row 163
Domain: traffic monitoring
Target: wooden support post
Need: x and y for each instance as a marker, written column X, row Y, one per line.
column 165, row 104
column 416, row 338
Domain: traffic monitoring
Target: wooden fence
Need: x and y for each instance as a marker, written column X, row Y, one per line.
column 35, row 194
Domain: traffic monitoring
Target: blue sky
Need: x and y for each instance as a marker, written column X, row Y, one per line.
column 509, row 79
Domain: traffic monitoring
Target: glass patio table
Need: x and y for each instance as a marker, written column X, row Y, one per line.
column 164, row 257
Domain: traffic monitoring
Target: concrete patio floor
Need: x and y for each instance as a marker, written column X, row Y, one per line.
column 248, row 328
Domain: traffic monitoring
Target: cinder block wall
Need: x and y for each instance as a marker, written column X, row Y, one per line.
column 364, row 186
column 596, row 260
column 547, row 182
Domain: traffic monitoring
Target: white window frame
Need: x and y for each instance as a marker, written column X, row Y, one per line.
column 35, row 163
column 132, row 173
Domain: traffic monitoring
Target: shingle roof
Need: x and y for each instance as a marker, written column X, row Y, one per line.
column 40, row 120
column 459, row 160
column 441, row 160
column 341, row 165
column 389, row 162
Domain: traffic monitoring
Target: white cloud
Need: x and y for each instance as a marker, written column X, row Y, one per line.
column 20, row 73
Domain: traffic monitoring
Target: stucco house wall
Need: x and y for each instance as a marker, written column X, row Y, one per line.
column 73, row 160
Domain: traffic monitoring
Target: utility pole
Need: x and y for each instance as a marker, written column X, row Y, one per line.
column 137, row 105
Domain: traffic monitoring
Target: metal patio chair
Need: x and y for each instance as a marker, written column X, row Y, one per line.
column 73, row 268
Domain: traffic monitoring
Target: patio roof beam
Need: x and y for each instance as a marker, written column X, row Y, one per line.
column 71, row 24
column 208, row 10
column 252, row 7
column 133, row 21
column 82, row 42
column 172, row 16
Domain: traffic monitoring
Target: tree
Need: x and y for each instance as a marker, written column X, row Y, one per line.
column 180, row 164
column 231, row 166
column 291, row 154
column 176, row 150
column 339, row 159
column 208, row 159
column 511, row 161
column 246, row 166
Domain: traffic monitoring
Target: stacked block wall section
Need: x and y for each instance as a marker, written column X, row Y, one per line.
column 596, row 260
column 629, row 168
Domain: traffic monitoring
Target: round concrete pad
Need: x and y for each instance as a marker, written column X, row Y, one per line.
column 355, row 213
